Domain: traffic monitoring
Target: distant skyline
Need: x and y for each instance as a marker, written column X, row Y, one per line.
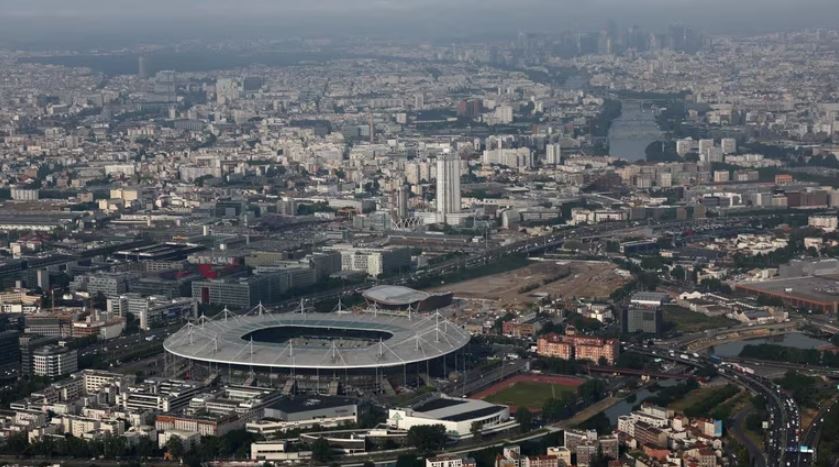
column 124, row 22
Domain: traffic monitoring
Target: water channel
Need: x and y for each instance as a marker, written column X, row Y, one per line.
column 633, row 131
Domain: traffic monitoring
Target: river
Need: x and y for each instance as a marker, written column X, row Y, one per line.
column 633, row 131
column 794, row 339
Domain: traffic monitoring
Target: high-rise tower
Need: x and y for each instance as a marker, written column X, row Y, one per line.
column 142, row 67
column 448, row 184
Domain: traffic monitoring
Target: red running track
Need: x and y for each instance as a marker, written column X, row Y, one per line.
column 530, row 378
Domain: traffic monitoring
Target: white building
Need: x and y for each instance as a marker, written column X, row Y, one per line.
column 729, row 145
column 53, row 361
column 374, row 261
column 504, row 114
column 304, row 412
column 450, row 460
column 24, row 194
column 685, row 146
column 517, row 158
column 456, row 415
column 276, row 450
column 553, row 154
column 448, row 184
column 826, row 223
column 705, row 146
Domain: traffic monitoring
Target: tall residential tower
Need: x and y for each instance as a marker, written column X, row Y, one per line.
column 448, row 185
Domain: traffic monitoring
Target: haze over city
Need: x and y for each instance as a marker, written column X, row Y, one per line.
column 81, row 23
column 419, row 233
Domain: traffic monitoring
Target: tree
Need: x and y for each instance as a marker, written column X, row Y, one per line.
column 710, row 284
column 321, row 450
column 652, row 262
column 175, row 447
column 555, row 409
column 592, row 390
column 649, row 280
column 145, row 447
column 114, row 447
column 132, row 324
column 525, row 419
column 16, row 443
column 427, row 438
column 475, row 429
column 408, row 460
column 235, row 443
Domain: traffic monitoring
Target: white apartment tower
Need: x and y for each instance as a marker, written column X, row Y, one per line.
column 553, row 154
column 448, row 184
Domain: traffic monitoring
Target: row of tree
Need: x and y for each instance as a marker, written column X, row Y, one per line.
column 780, row 353
column 233, row 445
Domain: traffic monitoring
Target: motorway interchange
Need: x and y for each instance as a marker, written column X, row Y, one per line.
column 783, row 446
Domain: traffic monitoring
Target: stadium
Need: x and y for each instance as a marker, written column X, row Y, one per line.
column 316, row 351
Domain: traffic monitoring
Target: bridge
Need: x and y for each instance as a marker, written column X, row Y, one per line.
column 783, row 367
column 631, row 372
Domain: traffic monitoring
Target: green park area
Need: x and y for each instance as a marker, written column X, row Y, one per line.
column 531, row 394
column 711, row 401
column 691, row 398
column 686, row 321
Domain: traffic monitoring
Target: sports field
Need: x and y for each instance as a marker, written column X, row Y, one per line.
column 530, row 391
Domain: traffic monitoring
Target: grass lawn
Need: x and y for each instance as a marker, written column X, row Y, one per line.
column 691, row 398
column 688, row 321
column 530, row 394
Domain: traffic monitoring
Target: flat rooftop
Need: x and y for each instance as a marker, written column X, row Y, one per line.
column 813, row 288
column 306, row 403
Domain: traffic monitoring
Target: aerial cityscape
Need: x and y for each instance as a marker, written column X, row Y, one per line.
column 419, row 234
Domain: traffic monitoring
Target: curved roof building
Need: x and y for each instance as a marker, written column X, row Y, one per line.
column 396, row 296
column 316, row 341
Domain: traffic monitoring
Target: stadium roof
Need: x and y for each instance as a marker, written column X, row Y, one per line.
column 395, row 295
column 410, row 340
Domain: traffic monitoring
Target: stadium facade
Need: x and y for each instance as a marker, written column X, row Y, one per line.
column 317, row 351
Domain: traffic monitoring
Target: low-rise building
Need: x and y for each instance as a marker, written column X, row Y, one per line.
column 450, row 460
column 574, row 346
column 304, row 412
column 455, row 414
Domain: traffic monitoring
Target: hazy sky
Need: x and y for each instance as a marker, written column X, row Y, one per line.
column 23, row 21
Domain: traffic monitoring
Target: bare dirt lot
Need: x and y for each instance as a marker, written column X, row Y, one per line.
column 524, row 285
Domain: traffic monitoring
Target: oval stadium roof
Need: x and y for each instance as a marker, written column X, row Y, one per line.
column 395, row 295
column 411, row 340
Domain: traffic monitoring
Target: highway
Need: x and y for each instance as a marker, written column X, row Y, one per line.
column 737, row 430
column 811, row 436
column 784, row 419
column 811, row 370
